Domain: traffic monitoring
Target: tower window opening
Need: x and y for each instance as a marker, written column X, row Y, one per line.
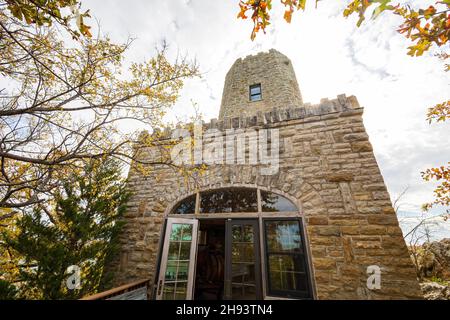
column 255, row 92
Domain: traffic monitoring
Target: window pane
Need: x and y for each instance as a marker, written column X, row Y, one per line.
column 185, row 206
column 174, row 250
column 183, row 270
column 185, row 250
column 169, row 289
column 283, row 236
column 272, row 202
column 171, row 271
column 255, row 89
column 181, row 231
column 255, row 92
column 285, row 273
column 286, row 262
column 229, row 200
column 181, row 291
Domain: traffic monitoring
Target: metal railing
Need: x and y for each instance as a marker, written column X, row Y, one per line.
column 138, row 290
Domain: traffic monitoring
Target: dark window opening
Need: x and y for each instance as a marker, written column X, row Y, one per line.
column 255, row 92
column 287, row 271
column 271, row 202
column 186, row 206
column 238, row 199
column 229, row 200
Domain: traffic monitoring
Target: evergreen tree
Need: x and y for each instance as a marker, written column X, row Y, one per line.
column 7, row 290
column 79, row 228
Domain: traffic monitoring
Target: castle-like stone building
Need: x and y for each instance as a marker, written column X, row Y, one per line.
column 318, row 225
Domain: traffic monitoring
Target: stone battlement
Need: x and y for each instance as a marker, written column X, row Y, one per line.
column 342, row 104
column 258, row 56
column 326, row 106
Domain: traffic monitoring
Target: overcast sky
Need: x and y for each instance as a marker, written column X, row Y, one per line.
column 330, row 56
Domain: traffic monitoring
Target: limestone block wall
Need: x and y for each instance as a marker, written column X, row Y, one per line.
column 328, row 166
column 273, row 71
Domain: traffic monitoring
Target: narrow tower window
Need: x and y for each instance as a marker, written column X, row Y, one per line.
column 255, row 92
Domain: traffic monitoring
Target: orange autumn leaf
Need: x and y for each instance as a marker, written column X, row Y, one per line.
column 241, row 13
column 430, row 11
column 288, row 16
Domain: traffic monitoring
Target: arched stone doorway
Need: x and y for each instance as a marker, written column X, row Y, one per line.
column 234, row 243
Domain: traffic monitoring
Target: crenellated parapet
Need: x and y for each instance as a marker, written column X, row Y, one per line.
column 341, row 106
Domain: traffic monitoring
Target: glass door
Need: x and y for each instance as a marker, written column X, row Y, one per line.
column 242, row 260
column 176, row 275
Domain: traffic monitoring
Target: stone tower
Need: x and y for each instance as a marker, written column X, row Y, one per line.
column 273, row 72
column 328, row 188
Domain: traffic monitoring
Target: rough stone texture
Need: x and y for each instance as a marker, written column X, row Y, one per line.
column 433, row 259
column 326, row 165
column 435, row 291
column 273, row 71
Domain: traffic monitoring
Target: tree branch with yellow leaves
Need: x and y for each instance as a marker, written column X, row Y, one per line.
column 68, row 103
